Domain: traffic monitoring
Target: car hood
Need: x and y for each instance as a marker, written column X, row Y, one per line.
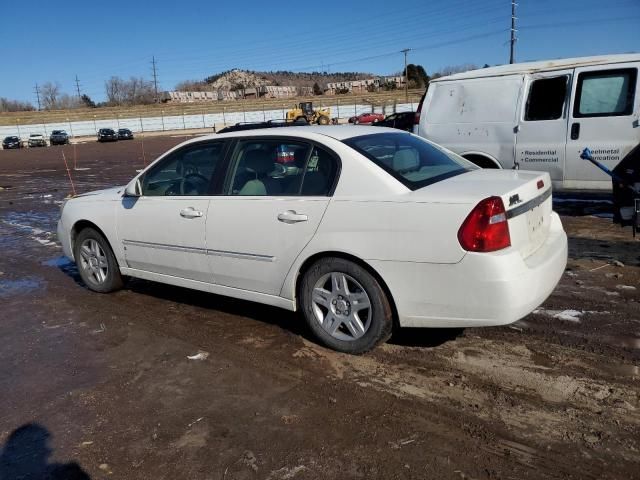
column 113, row 193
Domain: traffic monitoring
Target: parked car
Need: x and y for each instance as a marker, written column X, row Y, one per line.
column 11, row 142
column 107, row 135
column 125, row 134
column 37, row 140
column 539, row 116
column 59, row 137
column 367, row 118
column 358, row 228
column 401, row 121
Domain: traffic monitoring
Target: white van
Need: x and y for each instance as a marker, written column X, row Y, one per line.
column 539, row 116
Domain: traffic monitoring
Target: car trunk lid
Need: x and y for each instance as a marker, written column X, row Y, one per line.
column 526, row 197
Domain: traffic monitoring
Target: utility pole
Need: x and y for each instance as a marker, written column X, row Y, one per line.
column 37, row 90
column 78, row 86
column 513, row 31
column 155, row 77
column 406, row 76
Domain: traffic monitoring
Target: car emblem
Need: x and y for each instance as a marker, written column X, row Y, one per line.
column 514, row 199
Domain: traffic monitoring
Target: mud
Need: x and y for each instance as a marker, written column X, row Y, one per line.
column 101, row 386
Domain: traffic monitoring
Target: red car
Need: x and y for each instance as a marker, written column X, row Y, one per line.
column 367, row 118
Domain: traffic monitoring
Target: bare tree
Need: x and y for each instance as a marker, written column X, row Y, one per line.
column 114, row 89
column 50, row 92
column 7, row 105
column 134, row 91
column 67, row 102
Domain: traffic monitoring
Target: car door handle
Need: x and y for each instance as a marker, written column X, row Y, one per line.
column 189, row 212
column 575, row 131
column 290, row 216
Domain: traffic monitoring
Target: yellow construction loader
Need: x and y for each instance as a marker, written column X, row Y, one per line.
column 304, row 112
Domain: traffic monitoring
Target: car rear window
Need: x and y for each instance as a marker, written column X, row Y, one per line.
column 410, row 159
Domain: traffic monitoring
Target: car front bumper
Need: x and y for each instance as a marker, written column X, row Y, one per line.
column 483, row 289
column 64, row 237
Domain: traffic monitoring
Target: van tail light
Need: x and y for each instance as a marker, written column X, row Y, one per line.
column 416, row 118
column 485, row 229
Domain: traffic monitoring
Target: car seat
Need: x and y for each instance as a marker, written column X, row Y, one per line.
column 259, row 163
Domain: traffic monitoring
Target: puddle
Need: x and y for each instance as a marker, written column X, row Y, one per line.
column 16, row 287
column 38, row 226
column 60, row 262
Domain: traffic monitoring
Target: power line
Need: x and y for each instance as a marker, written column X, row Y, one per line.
column 37, row 90
column 155, row 77
column 513, row 31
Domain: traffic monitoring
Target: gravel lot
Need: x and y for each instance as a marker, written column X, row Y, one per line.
column 98, row 386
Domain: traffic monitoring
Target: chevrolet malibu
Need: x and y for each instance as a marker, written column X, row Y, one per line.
column 362, row 229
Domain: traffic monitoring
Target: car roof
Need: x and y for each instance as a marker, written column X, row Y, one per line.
column 338, row 132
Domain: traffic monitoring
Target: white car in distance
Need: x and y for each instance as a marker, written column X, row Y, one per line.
column 362, row 229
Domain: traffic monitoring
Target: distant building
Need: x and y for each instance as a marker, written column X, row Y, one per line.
column 362, row 86
column 266, row 91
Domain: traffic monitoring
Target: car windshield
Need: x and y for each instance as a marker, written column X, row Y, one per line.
column 35, row 135
column 57, row 132
column 11, row 139
column 411, row 160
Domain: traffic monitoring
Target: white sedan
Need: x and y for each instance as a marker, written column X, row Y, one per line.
column 362, row 229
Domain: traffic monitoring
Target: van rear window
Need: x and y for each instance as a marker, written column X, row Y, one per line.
column 413, row 161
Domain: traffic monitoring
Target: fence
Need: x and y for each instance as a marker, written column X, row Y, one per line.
column 189, row 121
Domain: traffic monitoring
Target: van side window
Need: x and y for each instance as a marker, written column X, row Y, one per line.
column 546, row 98
column 605, row 93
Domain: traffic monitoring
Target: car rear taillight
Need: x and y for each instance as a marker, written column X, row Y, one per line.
column 416, row 118
column 485, row 229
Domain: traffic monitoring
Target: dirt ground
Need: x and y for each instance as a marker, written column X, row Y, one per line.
column 100, row 386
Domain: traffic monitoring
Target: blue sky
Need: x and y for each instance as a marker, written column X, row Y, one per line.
column 191, row 40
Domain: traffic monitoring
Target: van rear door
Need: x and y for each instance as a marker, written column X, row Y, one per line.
column 603, row 117
column 542, row 123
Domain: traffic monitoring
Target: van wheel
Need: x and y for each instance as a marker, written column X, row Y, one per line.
column 96, row 263
column 344, row 306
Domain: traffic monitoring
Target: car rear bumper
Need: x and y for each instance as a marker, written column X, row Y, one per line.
column 481, row 290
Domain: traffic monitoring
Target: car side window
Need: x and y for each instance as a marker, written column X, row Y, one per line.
column 185, row 172
column 605, row 93
column 281, row 168
column 547, row 98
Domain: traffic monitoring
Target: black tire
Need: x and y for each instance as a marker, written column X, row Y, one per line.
column 323, row 120
column 381, row 315
column 113, row 279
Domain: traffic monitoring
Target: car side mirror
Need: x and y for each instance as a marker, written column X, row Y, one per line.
column 134, row 189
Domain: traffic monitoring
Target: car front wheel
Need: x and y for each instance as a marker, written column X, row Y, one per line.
column 96, row 262
column 345, row 306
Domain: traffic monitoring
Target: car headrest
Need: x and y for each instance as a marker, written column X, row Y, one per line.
column 405, row 160
column 258, row 161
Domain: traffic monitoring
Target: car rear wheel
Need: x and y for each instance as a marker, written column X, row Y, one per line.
column 345, row 306
column 96, row 262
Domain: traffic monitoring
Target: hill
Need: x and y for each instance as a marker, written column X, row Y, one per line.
column 237, row 79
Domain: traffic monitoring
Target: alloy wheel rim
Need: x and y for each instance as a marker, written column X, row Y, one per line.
column 93, row 261
column 341, row 306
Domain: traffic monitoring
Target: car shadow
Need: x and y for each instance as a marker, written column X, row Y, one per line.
column 26, row 453
column 424, row 337
column 263, row 313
